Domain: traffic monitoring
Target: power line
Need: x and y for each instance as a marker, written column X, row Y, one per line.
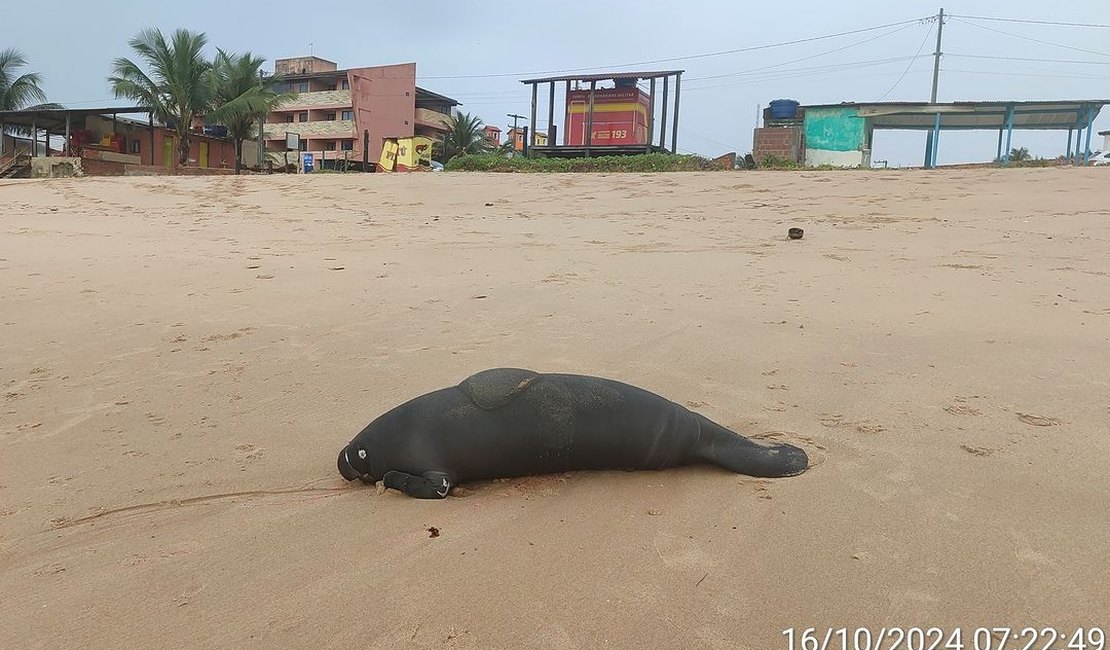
column 1031, row 22
column 1030, row 59
column 689, row 57
column 797, row 73
column 1035, row 40
column 1025, row 74
column 912, row 61
column 804, row 58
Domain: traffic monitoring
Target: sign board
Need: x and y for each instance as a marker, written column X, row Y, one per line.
column 308, row 163
column 389, row 155
column 292, row 141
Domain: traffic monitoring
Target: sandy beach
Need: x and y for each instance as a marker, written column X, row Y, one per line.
column 182, row 358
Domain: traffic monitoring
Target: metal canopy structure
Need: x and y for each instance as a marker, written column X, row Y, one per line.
column 1073, row 116
column 588, row 148
column 58, row 121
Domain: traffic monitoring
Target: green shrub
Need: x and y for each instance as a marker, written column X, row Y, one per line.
column 771, row 161
column 652, row 162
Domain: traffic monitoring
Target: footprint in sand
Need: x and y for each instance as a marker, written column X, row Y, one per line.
column 1038, row 421
column 962, row 409
column 249, row 454
column 977, row 451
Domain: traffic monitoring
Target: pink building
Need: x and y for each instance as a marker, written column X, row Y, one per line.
column 334, row 109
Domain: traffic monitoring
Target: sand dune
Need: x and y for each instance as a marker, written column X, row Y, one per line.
column 182, row 358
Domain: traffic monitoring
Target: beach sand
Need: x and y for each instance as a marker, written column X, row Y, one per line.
column 182, row 359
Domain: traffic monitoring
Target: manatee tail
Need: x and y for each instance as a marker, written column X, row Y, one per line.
column 721, row 447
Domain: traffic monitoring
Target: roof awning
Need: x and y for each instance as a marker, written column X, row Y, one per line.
column 54, row 119
column 1043, row 115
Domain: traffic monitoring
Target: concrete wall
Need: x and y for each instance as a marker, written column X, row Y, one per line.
column 56, row 167
column 384, row 100
column 303, row 64
column 837, row 136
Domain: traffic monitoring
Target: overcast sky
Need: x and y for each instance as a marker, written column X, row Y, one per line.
column 73, row 42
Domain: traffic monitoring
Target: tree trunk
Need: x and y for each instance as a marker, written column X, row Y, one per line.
column 183, row 148
column 238, row 156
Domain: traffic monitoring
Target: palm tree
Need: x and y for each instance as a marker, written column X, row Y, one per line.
column 242, row 97
column 178, row 87
column 465, row 135
column 19, row 91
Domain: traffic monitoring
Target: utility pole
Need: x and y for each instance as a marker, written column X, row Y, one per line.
column 261, row 126
column 936, row 79
column 515, row 118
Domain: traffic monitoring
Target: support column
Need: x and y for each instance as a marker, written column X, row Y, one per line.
column 1078, row 140
column 1067, row 155
column 936, row 142
column 1009, row 133
column 68, row 149
column 663, row 115
column 551, row 116
column 651, row 113
column 532, row 121
column 998, row 155
column 34, row 138
column 590, row 118
column 677, row 95
column 150, row 124
column 566, row 116
column 1090, row 127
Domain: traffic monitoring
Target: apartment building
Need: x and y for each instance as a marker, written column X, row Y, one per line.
column 334, row 109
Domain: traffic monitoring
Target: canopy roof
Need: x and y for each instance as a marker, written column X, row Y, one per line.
column 1044, row 115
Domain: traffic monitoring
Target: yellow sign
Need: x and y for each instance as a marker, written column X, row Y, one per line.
column 414, row 152
column 389, row 155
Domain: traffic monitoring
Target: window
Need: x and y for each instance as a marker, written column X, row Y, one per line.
column 346, row 85
column 135, row 146
column 348, row 115
column 330, row 117
column 329, row 145
column 302, row 87
column 302, row 116
column 304, row 145
column 288, row 118
column 348, row 145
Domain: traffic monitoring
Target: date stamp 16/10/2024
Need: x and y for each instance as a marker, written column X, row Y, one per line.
column 935, row 638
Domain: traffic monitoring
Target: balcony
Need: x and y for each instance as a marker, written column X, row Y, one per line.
column 328, row 98
column 429, row 118
column 325, row 129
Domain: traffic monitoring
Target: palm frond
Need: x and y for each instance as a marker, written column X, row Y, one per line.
column 17, row 92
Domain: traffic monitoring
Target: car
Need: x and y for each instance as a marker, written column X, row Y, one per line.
column 437, row 166
column 1100, row 158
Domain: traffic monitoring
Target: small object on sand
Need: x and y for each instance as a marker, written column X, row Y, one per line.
column 655, row 511
column 433, row 531
column 489, row 205
column 795, row 233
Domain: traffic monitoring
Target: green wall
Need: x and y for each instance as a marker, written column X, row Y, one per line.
column 834, row 129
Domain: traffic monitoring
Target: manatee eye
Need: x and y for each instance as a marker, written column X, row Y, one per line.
column 362, row 454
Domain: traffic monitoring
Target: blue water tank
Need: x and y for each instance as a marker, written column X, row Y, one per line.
column 784, row 109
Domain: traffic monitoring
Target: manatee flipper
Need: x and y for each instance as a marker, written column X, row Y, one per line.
column 494, row 388
column 429, row 485
column 721, row 447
